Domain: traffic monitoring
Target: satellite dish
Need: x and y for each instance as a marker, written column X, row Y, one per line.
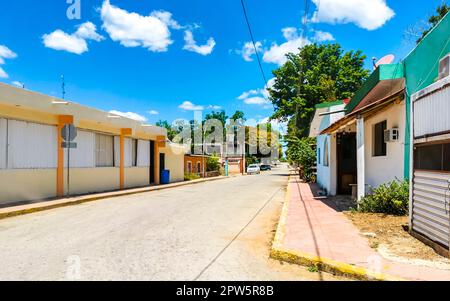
column 385, row 60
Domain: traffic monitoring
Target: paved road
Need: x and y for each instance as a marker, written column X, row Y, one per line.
column 218, row 230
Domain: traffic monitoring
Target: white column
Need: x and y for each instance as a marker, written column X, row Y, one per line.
column 361, row 168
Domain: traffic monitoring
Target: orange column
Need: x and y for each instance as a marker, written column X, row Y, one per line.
column 160, row 143
column 123, row 133
column 62, row 121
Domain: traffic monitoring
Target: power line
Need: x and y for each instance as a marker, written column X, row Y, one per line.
column 254, row 44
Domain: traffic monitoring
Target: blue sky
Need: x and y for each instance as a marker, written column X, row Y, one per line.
column 160, row 58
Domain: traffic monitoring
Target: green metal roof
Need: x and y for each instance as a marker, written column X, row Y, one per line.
column 328, row 104
column 383, row 72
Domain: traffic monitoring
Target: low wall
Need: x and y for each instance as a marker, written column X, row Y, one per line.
column 87, row 180
column 137, row 177
column 18, row 185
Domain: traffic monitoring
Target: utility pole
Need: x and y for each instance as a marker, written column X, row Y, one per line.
column 63, row 87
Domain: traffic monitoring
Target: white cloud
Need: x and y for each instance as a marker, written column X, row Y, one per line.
column 3, row 74
column 134, row 30
column 5, row 53
column 130, row 115
column 18, row 84
column 277, row 53
column 88, row 31
column 258, row 96
column 367, row 14
column 248, row 50
column 323, row 36
column 191, row 44
column 153, row 112
column 75, row 42
column 189, row 106
column 214, row 107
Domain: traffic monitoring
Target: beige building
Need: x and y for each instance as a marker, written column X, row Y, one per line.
column 112, row 152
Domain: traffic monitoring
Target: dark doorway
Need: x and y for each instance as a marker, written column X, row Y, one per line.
column 346, row 162
column 152, row 162
column 162, row 162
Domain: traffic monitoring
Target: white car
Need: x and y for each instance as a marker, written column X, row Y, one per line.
column 253, row 169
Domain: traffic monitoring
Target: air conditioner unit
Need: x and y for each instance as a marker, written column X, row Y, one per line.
column 444, row 67
column 391, row 135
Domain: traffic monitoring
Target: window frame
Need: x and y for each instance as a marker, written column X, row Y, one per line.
column 383, row 146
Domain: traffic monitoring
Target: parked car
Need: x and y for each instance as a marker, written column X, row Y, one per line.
column 265, row 167
column 253, row 169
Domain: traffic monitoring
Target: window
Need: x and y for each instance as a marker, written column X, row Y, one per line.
column 434, row 157
column 143, row 153
column 326, row 155
column 199, row 167
column 31, row 145
column 104, row 150
column 189, row 167
column 379, row 146
column 318, row 156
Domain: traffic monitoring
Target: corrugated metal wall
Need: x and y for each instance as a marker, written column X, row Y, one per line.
column 431, row 113
column 31, row 145
column 430, row 206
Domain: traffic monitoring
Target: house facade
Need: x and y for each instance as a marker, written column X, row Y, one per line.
column 111, row 153
column 371, row 143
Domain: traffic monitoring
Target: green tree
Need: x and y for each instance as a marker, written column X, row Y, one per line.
column 220, row 115
column 238, row 115
column 318, row 73
column 441, row 11
column 171, row 132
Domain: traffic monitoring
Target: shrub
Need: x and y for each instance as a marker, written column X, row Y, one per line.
column 191, row 176
column 212, row 163
column 389, row 198
column 300, row 152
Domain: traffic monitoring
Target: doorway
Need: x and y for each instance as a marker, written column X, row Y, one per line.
column 162, row 162
column 152, row 162
column 346, row 162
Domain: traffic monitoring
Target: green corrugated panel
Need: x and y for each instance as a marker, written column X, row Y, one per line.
column 422, row 69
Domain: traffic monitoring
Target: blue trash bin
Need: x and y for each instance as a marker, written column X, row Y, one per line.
column 165, row 177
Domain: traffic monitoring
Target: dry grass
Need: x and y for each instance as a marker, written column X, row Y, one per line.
column 392, row 239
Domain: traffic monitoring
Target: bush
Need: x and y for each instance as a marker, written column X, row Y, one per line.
column 191, row 176
column 300, row 152
column 212, row 163
column 389, row 198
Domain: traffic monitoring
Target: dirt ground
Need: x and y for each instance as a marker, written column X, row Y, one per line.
column 389, row 235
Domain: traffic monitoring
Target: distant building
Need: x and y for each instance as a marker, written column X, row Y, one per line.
column 112, row 152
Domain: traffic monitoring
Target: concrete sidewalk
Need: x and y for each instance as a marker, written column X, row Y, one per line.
column 312, row 233
column 13, row 210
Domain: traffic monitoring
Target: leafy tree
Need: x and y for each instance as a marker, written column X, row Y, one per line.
column 441, row 11
column 318, row 73
column 238, row 115
column 220, row 115
column 171, row 132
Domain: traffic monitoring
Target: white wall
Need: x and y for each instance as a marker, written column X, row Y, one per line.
column 323, row 172
column 379, row 170
column 326, row 175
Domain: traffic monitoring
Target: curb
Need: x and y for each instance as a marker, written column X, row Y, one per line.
column 53, row 204
column 277, row 252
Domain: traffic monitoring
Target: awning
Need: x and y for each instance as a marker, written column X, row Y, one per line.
column 383, row 87
column 367, row 111
column 384, row 81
